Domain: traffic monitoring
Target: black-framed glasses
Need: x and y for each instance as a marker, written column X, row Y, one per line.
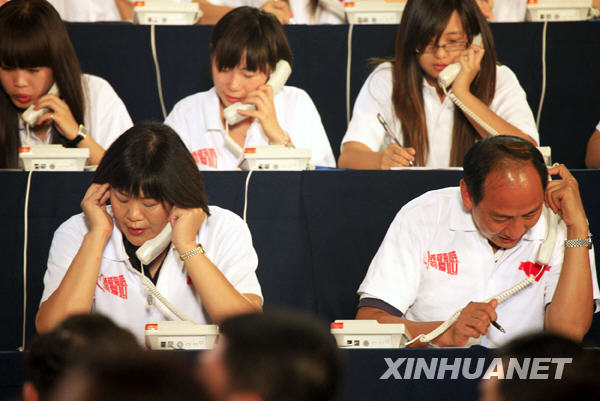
column 448, row 47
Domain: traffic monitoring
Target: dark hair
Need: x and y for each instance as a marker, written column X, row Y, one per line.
column 51, row 354
column 139, row 376
column 423, row 21
column 578, row 381
column 496, row 152
column 150, row 159
column 251, row 32
column 281, row 357
column 33, row 35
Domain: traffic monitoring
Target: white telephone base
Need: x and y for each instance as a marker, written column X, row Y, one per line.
column 369, row 334
column 151, row 12
column 53, row 158
column 559, row 10
column 275, row 157
column 367, row 11
column 169, row 335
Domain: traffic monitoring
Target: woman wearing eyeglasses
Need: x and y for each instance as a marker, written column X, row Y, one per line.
column 424, row 128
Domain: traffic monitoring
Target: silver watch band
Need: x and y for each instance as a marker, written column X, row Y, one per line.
column 580, row 242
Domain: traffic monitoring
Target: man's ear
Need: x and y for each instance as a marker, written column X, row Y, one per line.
column 467, row 199
column 30, row 393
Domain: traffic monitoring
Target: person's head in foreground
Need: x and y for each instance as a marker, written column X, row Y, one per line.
column 568, row 371
column 138, row 376
column 51, row 354
column 272, row 357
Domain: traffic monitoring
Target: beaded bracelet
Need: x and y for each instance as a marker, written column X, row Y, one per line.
column 195, row 251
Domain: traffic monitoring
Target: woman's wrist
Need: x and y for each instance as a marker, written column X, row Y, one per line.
column 99, row 234
column 186, row 247
column 284, row 140
column 197, row 249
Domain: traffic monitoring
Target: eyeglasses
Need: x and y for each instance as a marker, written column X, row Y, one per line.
column 448, row 48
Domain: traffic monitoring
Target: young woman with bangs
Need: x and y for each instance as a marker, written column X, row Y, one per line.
column 35, row 52
column 245, row 46
column 427, row 129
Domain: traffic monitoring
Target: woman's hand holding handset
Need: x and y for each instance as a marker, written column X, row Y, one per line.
column 60, row 114
column 185, row 223
column 263, row 99
column 94, row 208
column 470, row 64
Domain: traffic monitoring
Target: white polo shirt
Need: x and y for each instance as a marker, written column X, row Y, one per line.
column 509, row 10
column 433, row 261
column 105, row 115
column 510, row 103
column 598, row 126
column 303, row 14
column 119, row 291
column 87, row 10
column 300, row 8
column 196, row 119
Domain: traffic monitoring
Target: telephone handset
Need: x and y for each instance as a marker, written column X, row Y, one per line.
column 152, row 248
column 276, row 81
column 449, row 74
column 30, row 116
column 445, row 79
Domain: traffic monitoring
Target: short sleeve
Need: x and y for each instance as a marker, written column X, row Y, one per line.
column 65, row 245
column 303, row 124
column 106, row 115
column 178, row 121
column 556, row 268
column 229, row 246
column 374, row 97
column 394, row 274
column 510, row 103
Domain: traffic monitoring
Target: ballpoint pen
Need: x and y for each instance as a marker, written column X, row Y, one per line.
column 496, row 325
column 388, row 132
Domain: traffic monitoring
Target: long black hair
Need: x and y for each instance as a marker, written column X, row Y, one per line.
column 422, row 22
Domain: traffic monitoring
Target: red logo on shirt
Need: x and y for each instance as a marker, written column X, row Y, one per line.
column 207, row 156
column 533, row 268
column 116, row 285
column 445, row 262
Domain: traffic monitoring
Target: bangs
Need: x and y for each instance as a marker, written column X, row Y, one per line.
column 142, row 185
column 433, row 31
column 24, row 47
column 228, row 54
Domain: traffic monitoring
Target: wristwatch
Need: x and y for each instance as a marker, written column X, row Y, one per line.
column 82, row 132
column 580, row 242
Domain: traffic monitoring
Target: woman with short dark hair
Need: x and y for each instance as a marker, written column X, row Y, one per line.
column 245, row 46
column 152, row 182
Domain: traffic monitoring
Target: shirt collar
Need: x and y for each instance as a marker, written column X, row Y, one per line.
column 212, row 114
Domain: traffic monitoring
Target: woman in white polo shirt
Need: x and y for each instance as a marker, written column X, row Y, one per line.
column 245, row 46
column 426, row 128
column 151, row 180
